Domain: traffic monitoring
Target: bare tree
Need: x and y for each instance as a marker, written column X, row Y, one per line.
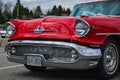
column 9, row 7
column 1, row 6
column 6, row 12
column 38, row 11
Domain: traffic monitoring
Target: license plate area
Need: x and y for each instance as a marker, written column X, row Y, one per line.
column 34, row 60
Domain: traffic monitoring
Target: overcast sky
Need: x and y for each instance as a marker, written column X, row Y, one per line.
column 48, row 4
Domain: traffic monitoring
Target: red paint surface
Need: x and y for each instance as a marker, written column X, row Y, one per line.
column 63, row 28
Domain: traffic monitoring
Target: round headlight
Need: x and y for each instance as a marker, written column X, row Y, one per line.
column 81, row 28
column 10, row 30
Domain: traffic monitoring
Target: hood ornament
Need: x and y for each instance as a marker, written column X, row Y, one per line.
column 39, row 30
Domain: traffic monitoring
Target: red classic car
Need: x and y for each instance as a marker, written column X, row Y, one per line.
column 88, row 38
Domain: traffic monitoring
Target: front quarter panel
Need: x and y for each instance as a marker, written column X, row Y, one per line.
column 90, row 38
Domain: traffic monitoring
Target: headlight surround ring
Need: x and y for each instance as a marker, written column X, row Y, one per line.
column 10, row 29
column 81, row 28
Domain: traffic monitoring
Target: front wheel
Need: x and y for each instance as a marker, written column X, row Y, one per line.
column 109, row 62
column 34, row 68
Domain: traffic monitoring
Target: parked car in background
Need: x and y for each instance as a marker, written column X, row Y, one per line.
column 88, row 38
column 3, row 33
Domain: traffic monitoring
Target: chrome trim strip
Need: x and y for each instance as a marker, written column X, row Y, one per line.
column 107, row 34
column 43, row 31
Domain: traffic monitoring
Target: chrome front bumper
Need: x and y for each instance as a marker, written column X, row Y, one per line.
column 87, row 57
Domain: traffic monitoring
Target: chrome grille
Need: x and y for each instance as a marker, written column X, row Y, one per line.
column 47, row 51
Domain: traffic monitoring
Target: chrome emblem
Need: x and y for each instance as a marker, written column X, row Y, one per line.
column 39, row 30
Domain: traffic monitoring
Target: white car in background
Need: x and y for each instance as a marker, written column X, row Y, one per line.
column 3, row 33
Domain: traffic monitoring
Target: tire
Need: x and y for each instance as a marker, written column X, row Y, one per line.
column 34, row 68
column 109, row 63
column 2, row 36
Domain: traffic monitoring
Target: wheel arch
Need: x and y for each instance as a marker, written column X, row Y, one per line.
column 114, row 37
column 101, row 68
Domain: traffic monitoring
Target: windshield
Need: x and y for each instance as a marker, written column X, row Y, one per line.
column 97, row 8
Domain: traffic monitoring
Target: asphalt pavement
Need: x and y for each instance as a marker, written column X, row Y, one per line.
column 15, row 71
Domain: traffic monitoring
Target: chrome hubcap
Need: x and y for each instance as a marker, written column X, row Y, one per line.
column 110, row 59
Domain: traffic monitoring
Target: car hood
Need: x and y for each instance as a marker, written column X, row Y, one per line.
column 48, row 28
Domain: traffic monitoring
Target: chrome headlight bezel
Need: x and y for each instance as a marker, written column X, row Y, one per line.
column 81, row 28
column 10, row 29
